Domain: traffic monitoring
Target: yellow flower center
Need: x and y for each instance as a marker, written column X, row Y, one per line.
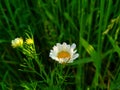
column 63, row 54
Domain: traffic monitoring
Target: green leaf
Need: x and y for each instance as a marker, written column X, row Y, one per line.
column 3, row 41
column 89, row 48
column 115, row 46
column 81, row 61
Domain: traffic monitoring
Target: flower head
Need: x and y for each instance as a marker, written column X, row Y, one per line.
column 29, row 41
column 64, row 53
column 17, row 42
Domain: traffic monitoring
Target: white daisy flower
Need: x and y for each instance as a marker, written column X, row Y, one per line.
column 17, row 42
column 64, row 53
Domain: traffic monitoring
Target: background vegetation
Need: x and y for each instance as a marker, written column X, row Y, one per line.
column 94, row 25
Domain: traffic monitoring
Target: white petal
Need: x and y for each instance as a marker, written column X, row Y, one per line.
column 73, row 46
column 55, row 48
column 74, row 51
column 68, row 48
column 58, row 45
column 52, row 54
column 70, row 61
column 75, row 56
column 64, row 46
column 60, row 60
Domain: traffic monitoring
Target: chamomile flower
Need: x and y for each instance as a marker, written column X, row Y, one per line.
column 17, row 42
column 64, row 53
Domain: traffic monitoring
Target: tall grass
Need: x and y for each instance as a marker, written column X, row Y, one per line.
column 94, row 25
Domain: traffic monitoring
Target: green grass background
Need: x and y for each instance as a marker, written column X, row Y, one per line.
column 94, row 25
